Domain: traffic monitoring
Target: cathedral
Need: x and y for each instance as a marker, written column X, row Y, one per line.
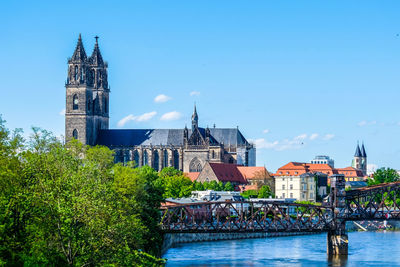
column 87, row 119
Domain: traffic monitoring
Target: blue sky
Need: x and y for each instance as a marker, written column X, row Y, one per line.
column 299, row 78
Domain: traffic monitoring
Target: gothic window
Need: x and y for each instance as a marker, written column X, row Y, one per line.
column 156, row 161
column 195, row 165
column 136, row 157
column 213, row 154
column 76, row 73
column 75, row 102
column 165, row 158
column 126, row 156
column 81, row 75
column 176, row 159
column 75, row 134
column 145, row 158
column 89, row 105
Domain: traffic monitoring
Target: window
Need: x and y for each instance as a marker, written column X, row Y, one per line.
column 291, row 195
column 75, row 134
column 213, row 154
column 291, row 179
column 303, row 196
column 287, row 172
column 283, row 195
column 291, row 187
column 283, row 187
column 283, row 179
column 145, row 158
column 195, row 165
column 76, row 73
column 296, row 173
column 280, row 172
column 136, row 157
column 165, row 158
column 156, row 162
column 311, row 195
column 176, row 159
column 75, row 102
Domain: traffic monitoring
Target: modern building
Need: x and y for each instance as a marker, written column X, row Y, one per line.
column 301, row 187
column 87, row 119
column 323, row 160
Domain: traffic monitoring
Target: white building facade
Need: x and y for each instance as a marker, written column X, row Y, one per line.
column 302, row 188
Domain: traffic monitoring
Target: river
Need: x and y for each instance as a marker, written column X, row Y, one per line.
column 365, row 249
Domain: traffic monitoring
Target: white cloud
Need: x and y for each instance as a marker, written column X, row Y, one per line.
column 314, row 136
column 139, row 118
column 170, row 116
column 296, row 142
column 371, row 168
column 194, row 93
column 266, row 131
column 162, row 98
column 62, row 112
column 328, row 137
column 365, row 123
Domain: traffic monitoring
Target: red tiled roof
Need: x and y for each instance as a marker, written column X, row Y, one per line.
column 227, row 172
column 192, row 175
column 250, row 172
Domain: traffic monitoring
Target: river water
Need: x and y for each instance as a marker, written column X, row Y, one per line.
column 365, row 249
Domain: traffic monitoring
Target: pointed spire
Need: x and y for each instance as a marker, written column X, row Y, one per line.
column 79, row 53
column 96, row 57
column 195, row 119
column 358, row 151
column 363, row 154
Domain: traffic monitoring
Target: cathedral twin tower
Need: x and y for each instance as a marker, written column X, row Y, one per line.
column 87, row 95
column 87, row 120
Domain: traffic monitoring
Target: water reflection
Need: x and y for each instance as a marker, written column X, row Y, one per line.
column 365, row 249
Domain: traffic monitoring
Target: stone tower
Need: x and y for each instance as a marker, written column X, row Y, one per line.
column 87, row 95
column 360, row 159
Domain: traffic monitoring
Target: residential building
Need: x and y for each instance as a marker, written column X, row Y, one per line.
column 301, row 187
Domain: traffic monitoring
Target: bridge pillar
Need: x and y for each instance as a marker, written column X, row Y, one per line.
column 338, row 243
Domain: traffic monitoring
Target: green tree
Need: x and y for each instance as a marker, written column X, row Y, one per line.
column 198, row 186
column 264, row 192
column 384, row 175
column 70, row 205
column 213, row 185
column 228, row 186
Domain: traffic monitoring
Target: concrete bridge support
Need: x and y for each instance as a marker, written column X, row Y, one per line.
column 337, row 241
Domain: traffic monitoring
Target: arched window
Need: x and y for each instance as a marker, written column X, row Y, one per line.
column 75, row 102
column 81, row 75
column 76, row 73
column 165, row 158
column 156, row 161
column 176, row 159
column 145, row 158
column 136, row 157
column 75, row 134
column 195, row 165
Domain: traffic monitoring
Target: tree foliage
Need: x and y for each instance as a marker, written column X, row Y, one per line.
column 384, row 175
column 71, row 205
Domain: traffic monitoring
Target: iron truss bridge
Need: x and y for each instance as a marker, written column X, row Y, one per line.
column 381, row 202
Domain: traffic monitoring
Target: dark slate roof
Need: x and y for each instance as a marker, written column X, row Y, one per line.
column 136, row 137
column 358, row 152
column 363, row 154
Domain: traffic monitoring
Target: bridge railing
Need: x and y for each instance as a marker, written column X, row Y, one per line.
column 246, row 216
column 379, row 202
